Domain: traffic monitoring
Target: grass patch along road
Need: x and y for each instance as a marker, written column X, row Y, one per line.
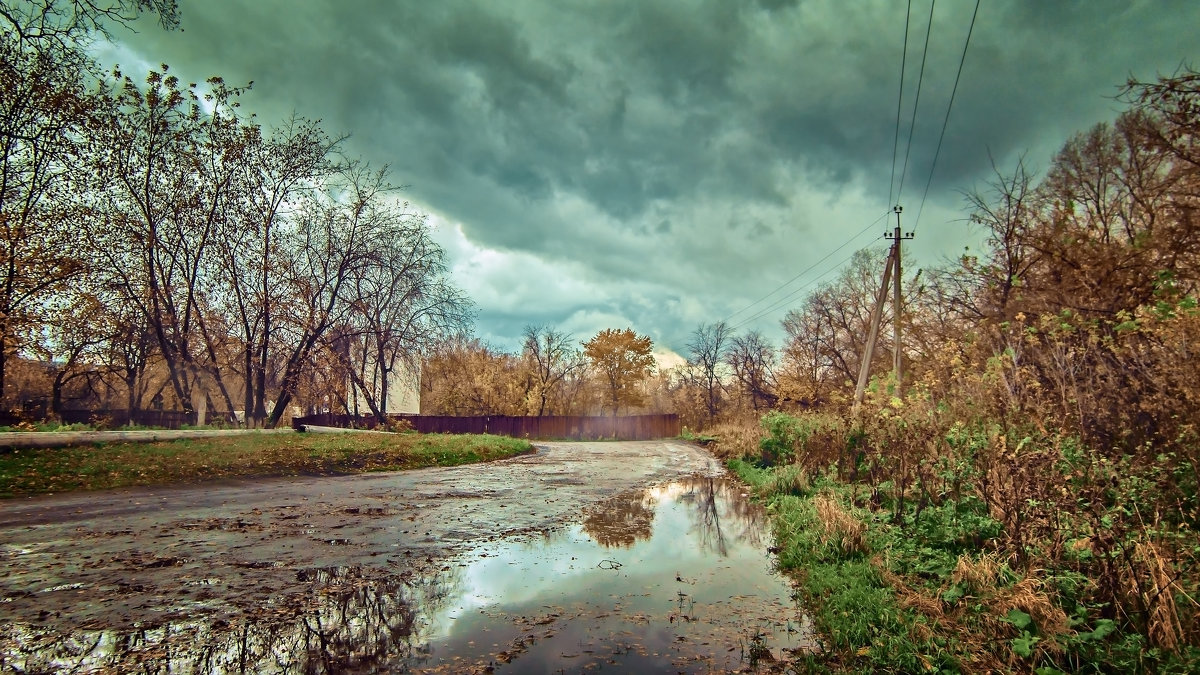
column 25, row 472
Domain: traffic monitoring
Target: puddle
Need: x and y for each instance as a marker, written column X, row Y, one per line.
column 671, row 579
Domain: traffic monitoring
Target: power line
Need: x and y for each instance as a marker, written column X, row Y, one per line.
column 946, row 121
column 899, row 102
column 806, row 270
column 916, row 100
column 784, row 301
column 778, row 303
column 787, row 298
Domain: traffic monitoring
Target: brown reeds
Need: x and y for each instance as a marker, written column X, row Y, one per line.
column 838, row 525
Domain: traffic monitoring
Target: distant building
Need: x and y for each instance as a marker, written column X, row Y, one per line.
column 403, row 395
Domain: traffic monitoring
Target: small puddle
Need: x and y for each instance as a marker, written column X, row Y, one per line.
column 671, row 579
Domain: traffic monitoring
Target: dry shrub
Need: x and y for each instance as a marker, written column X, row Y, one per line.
column 1153, row 583
column 736, row 440
column 838, row 525
column 982, row 576
column 1024, row 489
column 1028, row 596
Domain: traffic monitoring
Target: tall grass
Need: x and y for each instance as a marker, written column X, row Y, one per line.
column 921, row 541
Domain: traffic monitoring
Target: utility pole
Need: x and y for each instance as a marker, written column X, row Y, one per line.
column 897, row 237
column 864, row 366
column 891, row 268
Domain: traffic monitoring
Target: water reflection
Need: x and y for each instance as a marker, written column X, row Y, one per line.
column 687, row 588
column 621, row 521
column 694, row 593
column 350, row 619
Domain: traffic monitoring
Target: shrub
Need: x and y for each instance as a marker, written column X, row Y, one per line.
column 811, row 440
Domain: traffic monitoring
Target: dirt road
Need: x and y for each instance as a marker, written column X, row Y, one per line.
column 135, row 576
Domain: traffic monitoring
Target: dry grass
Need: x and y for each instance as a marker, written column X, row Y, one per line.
column 978, row 658
column 735, row 440
column 982, row 576
column 838, row 525
column 1154, row 581
column 1029, row 596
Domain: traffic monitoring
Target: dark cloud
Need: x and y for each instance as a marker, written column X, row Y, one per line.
column 653, row 141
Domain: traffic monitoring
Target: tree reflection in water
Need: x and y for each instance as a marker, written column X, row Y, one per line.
column 720, row 503
column 349, row 619
column 365, row 619
column 622, row 521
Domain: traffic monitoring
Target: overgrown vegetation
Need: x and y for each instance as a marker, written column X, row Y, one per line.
column 95, row 467
column 925, row 542
column 1029, row 503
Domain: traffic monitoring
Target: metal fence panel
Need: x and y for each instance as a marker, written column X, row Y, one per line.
column 630, row 428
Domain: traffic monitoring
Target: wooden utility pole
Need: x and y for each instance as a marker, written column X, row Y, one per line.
column 864, row 366
column 897, row 305
column 891, row 268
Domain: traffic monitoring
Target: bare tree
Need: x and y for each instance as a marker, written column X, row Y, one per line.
column 554, row 358
column 340, row 235
column 62, row 23
column 752, row 359
column 292, row 161
column 707, row 360
column 1006, row 211
column 402, row 305
column 169, row 171
column 826, row 335
column 44, row 107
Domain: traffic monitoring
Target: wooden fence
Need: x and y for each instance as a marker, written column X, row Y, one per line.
column 631, row 428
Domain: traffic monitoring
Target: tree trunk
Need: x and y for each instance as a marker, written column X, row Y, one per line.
column 248, row 388
column 3, row 361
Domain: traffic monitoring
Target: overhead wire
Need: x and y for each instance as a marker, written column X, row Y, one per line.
column 785, row 299
column 899, row 105
column 779, row 303
column 892, row 185
column 916, row 101
column 946, row 121
column 805, row 271
column 894, row 189
column 814, row 280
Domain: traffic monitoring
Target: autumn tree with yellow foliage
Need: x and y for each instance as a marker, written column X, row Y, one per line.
column 622, row 360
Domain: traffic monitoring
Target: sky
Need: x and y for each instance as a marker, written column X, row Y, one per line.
column 659, row 164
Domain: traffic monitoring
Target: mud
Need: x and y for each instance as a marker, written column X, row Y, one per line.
column 626, row 556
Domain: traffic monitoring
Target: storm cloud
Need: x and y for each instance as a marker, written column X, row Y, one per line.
column 659, row 163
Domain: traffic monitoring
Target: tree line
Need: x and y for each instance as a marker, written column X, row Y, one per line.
column 160, row 247
column 614, row 372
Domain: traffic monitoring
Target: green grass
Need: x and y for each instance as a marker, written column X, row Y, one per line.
column 26, row 472
column 892, row 606
column 863, row 626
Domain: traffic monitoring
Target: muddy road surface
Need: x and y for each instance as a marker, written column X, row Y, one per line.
column 616, row 556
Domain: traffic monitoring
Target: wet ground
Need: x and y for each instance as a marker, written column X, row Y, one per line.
column 623, row 557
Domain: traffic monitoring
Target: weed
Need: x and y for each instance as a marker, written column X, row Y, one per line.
column 949, row 544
